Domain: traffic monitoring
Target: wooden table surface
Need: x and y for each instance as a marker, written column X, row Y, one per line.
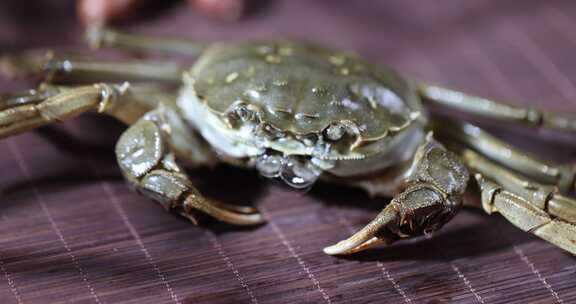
column 71, row 231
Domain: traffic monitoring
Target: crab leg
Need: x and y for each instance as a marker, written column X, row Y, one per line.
column 524, row 214
column 55, row 107
column 50, row 68
column 532, row 206
column 562, row 176
column 497, row 110
column 147, row 161
column 432, row 195
column 100, row 37
column 49, row 104
column 540, row 196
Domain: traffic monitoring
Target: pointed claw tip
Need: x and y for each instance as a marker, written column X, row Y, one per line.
column 248, row 219
column 258, row 219
column 340, row 248
column 331, row 250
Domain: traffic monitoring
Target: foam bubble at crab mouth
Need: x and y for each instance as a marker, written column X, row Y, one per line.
column 269, row 165
column 297, row 172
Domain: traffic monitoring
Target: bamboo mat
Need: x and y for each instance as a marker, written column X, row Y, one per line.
column 72, row 232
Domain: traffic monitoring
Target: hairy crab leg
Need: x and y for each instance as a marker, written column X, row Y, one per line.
column 431, row 196
column 49, row 104
column 532, row 206
column 15, row 99
column 540, row 196
column 101, row 37
column 147, row 161
column 55, row 107
column 524, row 214
column 49, row 67
column 497, row 110
column 562, row 176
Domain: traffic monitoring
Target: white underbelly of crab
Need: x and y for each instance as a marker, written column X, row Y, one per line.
column 232, row 143
column 241, row 143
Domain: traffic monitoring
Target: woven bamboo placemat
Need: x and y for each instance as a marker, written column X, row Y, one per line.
column 72, row 232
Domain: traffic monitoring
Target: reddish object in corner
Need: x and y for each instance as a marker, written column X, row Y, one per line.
column 104, row 11
column 219, row 9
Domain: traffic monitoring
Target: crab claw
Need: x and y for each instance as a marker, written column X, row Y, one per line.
column 231, row 214
column 420, row 209
column 369, row 236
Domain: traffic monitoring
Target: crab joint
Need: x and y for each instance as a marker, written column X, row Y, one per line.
column 109, row 94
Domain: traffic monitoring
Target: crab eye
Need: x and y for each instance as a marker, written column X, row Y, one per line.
column 343, row 135
column 299, row 174
column 241, row 113
column 335, row 131
column 244, row 113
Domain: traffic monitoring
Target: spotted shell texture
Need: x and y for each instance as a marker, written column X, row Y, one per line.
column 302, row 88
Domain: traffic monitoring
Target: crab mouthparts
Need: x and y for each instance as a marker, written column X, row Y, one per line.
column 297, row 172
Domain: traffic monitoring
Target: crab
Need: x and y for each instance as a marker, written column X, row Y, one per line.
column 302, row 113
